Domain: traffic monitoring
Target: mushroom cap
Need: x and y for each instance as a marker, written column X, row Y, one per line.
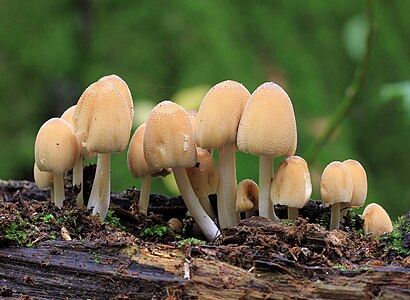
column 268, row 125
column 168, row 138
column 56, row 147
column 136, row 160
column 43, row 179
column 247, row 194
column 291, row 183
column 204, row 176
column 359, row 180
column 102, row 119
column 122, row 86
column 219, row 114
column 336, row 184
column 376, row 220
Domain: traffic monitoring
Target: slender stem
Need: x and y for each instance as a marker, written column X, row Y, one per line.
column 206, row 204
column 266, row 208
column 59, row 194
column 335, row 216
column 93, row 199
column 351, row 92
column 344, row 207
column 52, row 193
column 208, row 227
column 78, row 180
column 143, row 202
column 104, row 185
column 293, row 213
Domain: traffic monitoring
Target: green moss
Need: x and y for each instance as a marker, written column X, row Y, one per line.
column 190, row 241
column 17, row 231
column 396, row 238
column 155, row 231
column 113, row 220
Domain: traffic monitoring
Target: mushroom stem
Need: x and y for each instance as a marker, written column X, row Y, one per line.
column 208, row 227
column 78, row 179
column 143, row 201
column 93, row 199
column 59, row 194
column 344, row 207
column 104, row 159
column 227, row 214
column 266, row 208
column 335, row 216
column 293, row 213
column 52, row 193
column 206, row 204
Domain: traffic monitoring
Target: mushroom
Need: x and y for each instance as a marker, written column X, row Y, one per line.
column 376, row 220
column 56, row 150
column 175, row 225
column 336, row 187
column 102, row 121
column 169, row 143
column 44, row 180
column 359, row 180
column 204, row 179
column 291, row 185
column 216, row 127
column 247, row 194
column 267, row 129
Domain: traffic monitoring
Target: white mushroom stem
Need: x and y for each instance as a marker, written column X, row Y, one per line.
column 93, row 199
column 208, row 227
column 293, row 213
column 59, row 194
column 143, row 201
column 52, row 193
column 266, row 208
column 206, row 204
column 78, row 179
column 227, row 214
column 103, row 203
column 335, row 216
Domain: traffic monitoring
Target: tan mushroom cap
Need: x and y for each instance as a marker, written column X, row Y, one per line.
column 136, row 160
column 336, row 184
column 56, row 147
column 376, row 220
column 204, row 176
column 268, row 125
column 247, row 194
column 43, row 179
column 168, row 138
column 359, row 180
column 102, row 119
column 291, row 184
column 122, row 86
column 219, row 114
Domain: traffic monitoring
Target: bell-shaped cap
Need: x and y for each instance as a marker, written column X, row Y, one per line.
column 43, row 179
column 102, row 119
column 336, row 184
column 219, row 114
column 203, row 176
column 291, row 183
column 268, row 125
column 247, row 194
column 168, row 138
column 56, row 147
column 376, row 220
column 359, row 180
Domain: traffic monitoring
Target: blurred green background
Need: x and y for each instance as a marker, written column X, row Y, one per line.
column 50, row 51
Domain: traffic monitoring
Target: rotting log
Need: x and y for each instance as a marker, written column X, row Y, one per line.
column 84, row 270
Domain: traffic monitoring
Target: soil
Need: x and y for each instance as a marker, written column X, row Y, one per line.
column 48, row 253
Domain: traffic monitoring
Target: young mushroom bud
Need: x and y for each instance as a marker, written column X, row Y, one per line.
column 247, row 194
column 291, row 185
column 336, row 187
column 56, row 150
column 376, row 220
column 175, row 225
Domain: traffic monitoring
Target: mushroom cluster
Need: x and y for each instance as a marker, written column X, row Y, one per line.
column 229, row 119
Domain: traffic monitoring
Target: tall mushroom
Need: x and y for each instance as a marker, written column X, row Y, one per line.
column 56, row 150
column 267, row 129
column 291, row 185
column 216, row 127
column 376, row 220
column 336, row 187
column 169, row 143
column 102, row 121
column 359, row 180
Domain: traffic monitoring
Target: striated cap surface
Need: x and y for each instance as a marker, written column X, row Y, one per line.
column 336, row 184
column 359, row 179
column 376, row 220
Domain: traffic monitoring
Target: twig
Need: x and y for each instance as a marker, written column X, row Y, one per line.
column 351, row 92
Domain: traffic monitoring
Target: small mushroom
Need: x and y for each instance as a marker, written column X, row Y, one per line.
column 291, row 185
column 175, row 225
column 247, row 194
column 376, row 220
column 359, row 180
column 336, row 187
column 44, row 180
